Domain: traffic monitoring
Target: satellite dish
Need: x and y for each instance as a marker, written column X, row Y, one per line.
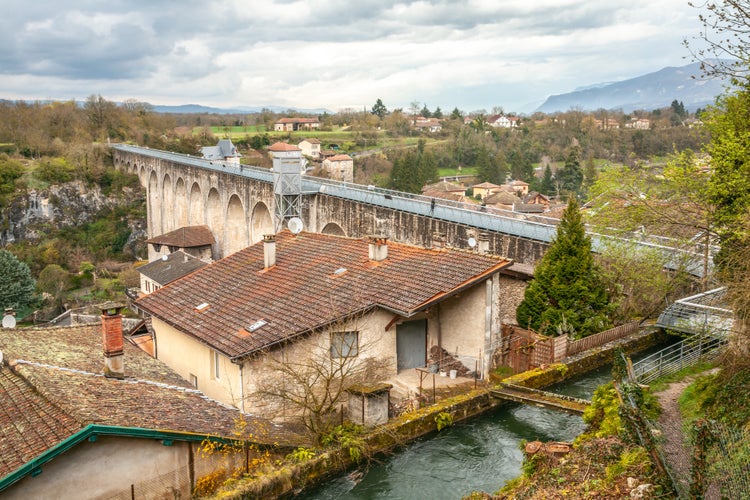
column 9, row 321
column 1, row 357
column 295, row 225
column 164, row 257
column 472, row 242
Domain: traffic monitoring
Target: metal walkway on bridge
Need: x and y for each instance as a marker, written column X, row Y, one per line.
column 542, row 399
column 704, row 313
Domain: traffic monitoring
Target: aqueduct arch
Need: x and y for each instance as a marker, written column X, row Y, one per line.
column 196, row 215
column 236, row 233
column 261, row 222
column 215, row 218
column 180, row 204
column 334, row 229
column 154, row 206
column 168, row 194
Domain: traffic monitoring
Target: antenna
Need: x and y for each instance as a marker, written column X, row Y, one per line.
column 295, row 225
column 9, row 321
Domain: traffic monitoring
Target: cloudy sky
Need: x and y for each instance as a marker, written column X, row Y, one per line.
column 334, row 54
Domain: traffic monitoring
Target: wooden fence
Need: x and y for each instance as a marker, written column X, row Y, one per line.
column 601, row 338
column 522, row 349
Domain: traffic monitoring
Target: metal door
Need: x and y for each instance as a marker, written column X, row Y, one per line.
column 411, row 344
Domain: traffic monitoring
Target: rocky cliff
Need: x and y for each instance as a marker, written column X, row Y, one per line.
column 28, row 217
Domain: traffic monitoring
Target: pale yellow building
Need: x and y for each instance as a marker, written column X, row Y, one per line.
column 295, row 297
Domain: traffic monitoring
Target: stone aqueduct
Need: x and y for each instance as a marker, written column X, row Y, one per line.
column 238, row 204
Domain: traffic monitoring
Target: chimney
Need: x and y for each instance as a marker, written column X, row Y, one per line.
column 483, row 241
column 439, row 239
column 112, row 337
column 269, row 251
column 378, row 248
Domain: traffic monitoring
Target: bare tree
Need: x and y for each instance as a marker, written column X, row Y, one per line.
column 723, row 45
column 312, row 375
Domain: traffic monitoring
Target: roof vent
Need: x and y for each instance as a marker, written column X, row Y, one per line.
column 256, row 325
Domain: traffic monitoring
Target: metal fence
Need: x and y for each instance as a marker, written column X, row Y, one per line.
column 696, row 349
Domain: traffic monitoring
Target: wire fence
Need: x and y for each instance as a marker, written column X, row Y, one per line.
column 702, row 459
column 172, row 485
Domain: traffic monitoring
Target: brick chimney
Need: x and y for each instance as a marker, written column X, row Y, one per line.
column 378, row 249
column 269, row 251
column 112, row 339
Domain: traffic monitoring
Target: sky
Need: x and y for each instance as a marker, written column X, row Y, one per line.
column 335, row 54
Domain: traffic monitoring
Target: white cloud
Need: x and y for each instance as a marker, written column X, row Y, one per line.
column 336, row 53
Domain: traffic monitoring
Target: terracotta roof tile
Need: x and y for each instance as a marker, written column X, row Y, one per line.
column 52, row 386
column 185, row 237
column 283, row 146
column 302, row 293
column 29, row 424
column 340, row 158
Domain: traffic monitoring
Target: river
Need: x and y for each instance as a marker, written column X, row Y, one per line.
column 479, row 454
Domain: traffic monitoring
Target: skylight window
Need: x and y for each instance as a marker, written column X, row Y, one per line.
column 256, row 325
column 201, row 307
column 340, row 270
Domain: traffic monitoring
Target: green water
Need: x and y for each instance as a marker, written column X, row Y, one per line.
column 481, row 454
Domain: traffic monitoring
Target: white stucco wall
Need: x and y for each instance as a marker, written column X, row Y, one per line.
column 187, row 356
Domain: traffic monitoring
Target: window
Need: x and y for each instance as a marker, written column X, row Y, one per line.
column 215, row 359
column 344, row 344
column 194, row 381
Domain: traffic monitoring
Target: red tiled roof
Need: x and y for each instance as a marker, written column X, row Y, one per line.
column 29, row 424
column 185, row 237
column 52, row 386
column 297, row 120
column 283, row 146
column 302, row 292
column 340, row 158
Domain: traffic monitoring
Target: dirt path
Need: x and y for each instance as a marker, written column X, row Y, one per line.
column 676, row 453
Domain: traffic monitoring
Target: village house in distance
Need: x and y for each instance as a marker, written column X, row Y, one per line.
column 293, row 294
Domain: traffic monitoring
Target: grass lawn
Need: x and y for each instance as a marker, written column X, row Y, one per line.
column 345, row 139
column 447, row 172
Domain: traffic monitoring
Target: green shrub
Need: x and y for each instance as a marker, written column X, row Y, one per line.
column 443, row 420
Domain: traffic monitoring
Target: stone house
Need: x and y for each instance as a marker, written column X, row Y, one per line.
column 339, row 167
column 297, row 296
column 77, row 424
column 224, row 151
column 502, row 121
column 485, row 189
column 166, row 269
column 197, row 241
column 432, row 125
column 310, row 147
column 293, row 124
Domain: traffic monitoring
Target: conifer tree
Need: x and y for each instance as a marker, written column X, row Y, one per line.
column 567, row 295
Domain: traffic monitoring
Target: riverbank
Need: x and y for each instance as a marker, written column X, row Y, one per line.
column 291, row 478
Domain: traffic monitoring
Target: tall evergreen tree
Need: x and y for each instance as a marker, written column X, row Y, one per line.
column 547, row 186
column 570, row 177
column 16, row 284
column 567, row 294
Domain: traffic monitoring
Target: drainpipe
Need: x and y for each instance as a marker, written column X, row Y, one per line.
column 242, row 390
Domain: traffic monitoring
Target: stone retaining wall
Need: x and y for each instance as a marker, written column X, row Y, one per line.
column 289, row 479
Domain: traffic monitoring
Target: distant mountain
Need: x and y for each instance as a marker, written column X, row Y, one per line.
column 647, row 92
column 197, row 108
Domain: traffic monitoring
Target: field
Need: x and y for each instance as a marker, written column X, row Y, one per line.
column 344, row 139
